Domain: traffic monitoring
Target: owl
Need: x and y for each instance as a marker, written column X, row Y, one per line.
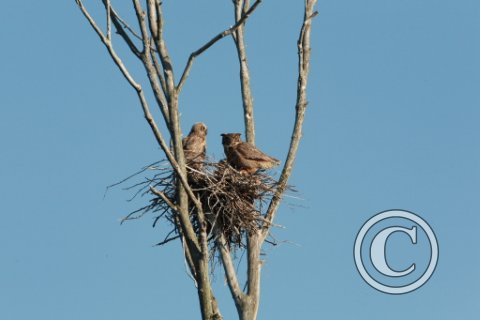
column 194, row 146
column 245, row 157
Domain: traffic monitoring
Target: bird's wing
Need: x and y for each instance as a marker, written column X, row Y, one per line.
column 250, row 152
column 193, row 143
column 185, row 141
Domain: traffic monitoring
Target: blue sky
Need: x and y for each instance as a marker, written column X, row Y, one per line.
column 392, row 122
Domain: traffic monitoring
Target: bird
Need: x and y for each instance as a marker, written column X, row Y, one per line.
column 245, row 157
column 195, row 145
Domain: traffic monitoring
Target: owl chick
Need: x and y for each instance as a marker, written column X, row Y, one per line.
column 195, row 145
column 245, row 157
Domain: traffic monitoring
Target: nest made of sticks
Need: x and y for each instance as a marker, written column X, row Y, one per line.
column 233, row 203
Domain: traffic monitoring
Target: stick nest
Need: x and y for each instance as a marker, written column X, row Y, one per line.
column 233, row 203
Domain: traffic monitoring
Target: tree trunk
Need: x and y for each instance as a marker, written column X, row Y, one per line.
column 251, row 301
column 249, row 313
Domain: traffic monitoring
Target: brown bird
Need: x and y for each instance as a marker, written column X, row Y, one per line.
column 245, row 157
column 195, row 145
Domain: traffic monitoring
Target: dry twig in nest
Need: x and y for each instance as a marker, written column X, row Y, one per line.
column 232, row 202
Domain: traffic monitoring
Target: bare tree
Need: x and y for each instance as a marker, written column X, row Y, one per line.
column 153, row 54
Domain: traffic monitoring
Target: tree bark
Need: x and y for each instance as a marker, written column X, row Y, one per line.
column 241, row 7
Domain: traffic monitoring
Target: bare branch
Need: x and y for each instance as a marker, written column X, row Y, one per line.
column 109, row 47
column 154, row 24
column 247, row 99
column 246, row 4
column 119, row 23
column 164, row 198
column 193, row 275
column 109, row 20
column 143, row 26
column 152, row 18
column 120, row 30
column 253, row 268
column 167, row 240
column 163, row 51
column 91, row 21
column 187, row 254
column 146, row 57
column 152, row 65
column 158, row 67
column 125, row 25
column 230, row 272
column 210, row 43
column 301, row 105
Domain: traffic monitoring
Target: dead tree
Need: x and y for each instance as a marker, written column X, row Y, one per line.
column 153, row 54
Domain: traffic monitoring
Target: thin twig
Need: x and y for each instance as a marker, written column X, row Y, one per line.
column 115, row 18
column 167, row 240
column 164, row 198
column 218, row 37
column 126, row 25
column 150, row 166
